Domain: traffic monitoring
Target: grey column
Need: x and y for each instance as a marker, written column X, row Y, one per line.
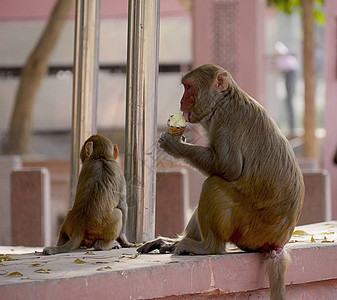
column 141, row 117
column 85, row 80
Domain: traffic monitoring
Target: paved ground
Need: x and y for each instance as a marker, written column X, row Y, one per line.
column 18, row 264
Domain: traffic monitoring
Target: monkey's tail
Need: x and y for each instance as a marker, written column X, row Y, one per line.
column 277, row 263
column 69, row 246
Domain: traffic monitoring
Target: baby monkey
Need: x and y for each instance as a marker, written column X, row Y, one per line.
column 98, row 217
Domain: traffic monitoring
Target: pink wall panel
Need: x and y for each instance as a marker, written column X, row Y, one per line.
column 230, row 33
column 12, row 10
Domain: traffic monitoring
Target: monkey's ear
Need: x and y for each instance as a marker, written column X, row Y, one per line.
column 115, row 152
column 221, row 81
column 89, row 148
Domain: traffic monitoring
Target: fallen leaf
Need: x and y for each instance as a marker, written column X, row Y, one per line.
column 90, row 253
column 45, row 271
column 233, row 248
column 79, row 261
column 6, row 258
column 325, row 240
column 313, row 240
column 300, row 232
column 104, row 268
column 293, row 241
column 14, row 274
column 136, row 255
column 99, row 262
column 35, row 265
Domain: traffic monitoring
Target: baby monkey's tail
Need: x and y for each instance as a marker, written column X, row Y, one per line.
column 69, row 246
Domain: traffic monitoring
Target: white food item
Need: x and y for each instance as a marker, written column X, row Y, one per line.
column 176, row 120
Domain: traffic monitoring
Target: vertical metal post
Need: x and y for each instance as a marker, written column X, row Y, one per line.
column 87, row 22
column 141, row 117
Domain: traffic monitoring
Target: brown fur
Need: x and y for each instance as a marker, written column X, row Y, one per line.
column 99, row 214
column 254, row 191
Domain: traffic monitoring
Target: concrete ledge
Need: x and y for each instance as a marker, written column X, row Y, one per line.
column 236, row 275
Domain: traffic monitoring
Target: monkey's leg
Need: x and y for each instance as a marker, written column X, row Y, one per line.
column 214, row 220
column 168, row 245
column 110, row 231
column 192, row 231
column 63, row 238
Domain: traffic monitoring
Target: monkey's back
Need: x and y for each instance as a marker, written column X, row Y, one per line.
column 269, row 194
column 101, row 186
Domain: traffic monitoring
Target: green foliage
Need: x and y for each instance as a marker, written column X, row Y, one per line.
column 295, row 6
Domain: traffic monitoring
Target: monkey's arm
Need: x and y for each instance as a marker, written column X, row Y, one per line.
column 218, row 159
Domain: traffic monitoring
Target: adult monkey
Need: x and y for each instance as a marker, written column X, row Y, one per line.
column 98, row 217
column 254, row 191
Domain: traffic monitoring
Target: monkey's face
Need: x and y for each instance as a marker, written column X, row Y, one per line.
column 203, row 87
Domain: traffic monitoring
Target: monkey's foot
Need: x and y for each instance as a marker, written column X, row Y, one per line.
column 101, row 245
column 162, row 244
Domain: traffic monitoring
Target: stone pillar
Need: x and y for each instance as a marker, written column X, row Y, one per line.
column 330, row 141
column 230, row 33
column 7, row 165
column 172, row 205
column 30, row 207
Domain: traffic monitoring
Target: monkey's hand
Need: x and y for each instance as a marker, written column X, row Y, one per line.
column 172, row 144
column 162, row 244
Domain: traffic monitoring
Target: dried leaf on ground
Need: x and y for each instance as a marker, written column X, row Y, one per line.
column 325, row 240
column 104, row 268
column 300, row 232
column 136, row 255
column 15, row 274
column 35, row 265
column 6, row 258
column 79, row 261
column 173, row 262
column 44, row 271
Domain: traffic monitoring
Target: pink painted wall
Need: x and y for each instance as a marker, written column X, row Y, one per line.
column 12, row 10
column 330, row 143
column 230, row 33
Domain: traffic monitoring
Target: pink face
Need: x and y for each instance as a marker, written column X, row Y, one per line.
column 187, row 101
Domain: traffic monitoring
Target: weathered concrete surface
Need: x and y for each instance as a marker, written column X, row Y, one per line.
column 122, row 274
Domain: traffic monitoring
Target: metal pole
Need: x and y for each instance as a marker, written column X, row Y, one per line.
column 84, row 80
column 141, row 117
